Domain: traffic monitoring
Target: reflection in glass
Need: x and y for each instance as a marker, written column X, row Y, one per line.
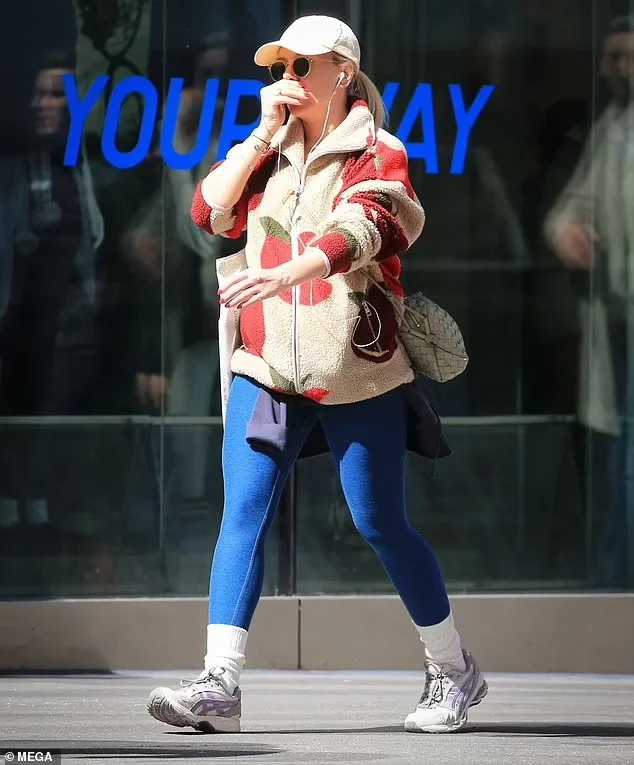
column 108, row 301
column 590, row 229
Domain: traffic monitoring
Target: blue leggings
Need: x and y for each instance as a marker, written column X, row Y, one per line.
column 367, row 440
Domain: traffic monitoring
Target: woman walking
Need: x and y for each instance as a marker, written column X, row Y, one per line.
column 328, row 209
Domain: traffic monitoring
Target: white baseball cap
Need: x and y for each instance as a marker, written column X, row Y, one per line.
column 313, row 36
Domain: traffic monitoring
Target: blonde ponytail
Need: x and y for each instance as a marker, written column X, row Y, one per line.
column 363, row 87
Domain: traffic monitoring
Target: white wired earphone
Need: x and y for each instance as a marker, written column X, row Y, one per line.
column 345, row 79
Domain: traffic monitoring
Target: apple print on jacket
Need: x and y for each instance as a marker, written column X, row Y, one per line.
column 277, row 249
column 252, row 329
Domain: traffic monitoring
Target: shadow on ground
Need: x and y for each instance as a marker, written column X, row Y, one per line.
column 127, row 749
column 572, row 730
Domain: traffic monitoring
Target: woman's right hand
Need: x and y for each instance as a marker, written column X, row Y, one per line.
column 274, row 98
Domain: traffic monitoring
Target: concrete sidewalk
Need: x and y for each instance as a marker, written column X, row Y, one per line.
column 341, row 717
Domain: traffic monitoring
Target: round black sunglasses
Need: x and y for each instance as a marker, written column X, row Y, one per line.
column 300, row 67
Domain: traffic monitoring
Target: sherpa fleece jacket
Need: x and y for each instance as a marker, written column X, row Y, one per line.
column 332, row 340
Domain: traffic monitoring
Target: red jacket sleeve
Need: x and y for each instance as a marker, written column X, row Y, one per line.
column 376, row 215
column 219, row 220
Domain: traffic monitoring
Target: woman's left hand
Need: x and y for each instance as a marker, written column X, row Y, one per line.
column 252, row 285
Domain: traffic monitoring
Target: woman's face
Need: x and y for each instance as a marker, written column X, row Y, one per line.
column 320, row 82
column 49, row 102
column 618, row 65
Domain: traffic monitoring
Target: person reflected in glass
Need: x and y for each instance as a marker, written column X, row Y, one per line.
column 328, row 209
column 173, row 264
column 51, row 230
column 591, row 228
column 163, row 235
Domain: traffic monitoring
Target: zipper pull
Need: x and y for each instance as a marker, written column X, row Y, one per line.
column 292, row 193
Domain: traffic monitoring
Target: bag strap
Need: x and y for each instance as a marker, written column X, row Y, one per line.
column 390, row 295
column 403, row 307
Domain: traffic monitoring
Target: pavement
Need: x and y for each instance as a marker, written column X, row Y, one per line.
column 324, row 717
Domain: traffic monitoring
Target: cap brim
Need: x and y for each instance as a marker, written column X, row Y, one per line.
column 269, row 53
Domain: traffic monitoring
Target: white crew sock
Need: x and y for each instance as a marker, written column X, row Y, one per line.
column 226, row 647
column 442, row 644
column 8, row 513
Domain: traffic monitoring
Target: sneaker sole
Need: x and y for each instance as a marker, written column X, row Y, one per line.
column 169, row 712
column 411, row 726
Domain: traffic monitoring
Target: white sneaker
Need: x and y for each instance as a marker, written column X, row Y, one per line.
column 204, row 704
column 447, row 696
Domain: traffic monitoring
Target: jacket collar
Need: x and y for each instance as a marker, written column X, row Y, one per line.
column 355, row 133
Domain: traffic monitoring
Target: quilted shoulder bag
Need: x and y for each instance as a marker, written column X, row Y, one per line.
column 430, row 336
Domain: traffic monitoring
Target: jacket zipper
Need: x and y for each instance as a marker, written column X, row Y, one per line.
column 295, row 298
column 294, row 295
column 295, row 254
